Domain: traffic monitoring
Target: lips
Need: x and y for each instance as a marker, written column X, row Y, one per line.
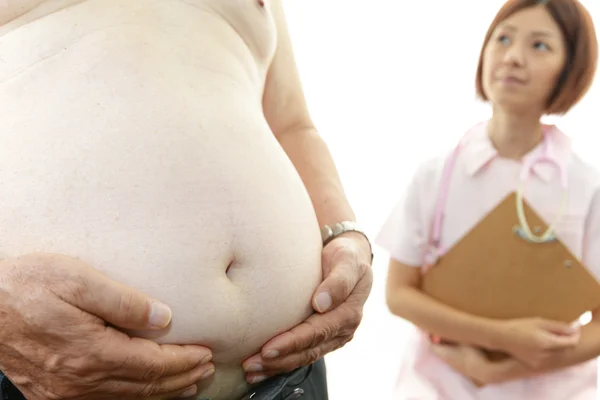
column 512, row 80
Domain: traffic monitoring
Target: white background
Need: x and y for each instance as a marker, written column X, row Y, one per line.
column 389, row 82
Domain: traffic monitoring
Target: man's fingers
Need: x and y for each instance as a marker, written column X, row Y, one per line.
column 318, row 335
column 345, row 273
column 168, row 387
column 317, row 328
column 296, row 339
column 119, row 304
column 180, row 382
column 292, row 361
column 301, row 358
column 143, row 360
column 187, row 393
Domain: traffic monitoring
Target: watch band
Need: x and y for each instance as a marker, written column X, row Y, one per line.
column 329, row 233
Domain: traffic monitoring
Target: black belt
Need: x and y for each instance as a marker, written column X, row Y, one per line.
column 281, row 387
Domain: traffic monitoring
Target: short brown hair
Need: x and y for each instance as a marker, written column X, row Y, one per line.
column 579, row 33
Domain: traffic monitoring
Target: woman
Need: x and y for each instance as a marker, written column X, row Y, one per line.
column 539, row 57
column 167, row 144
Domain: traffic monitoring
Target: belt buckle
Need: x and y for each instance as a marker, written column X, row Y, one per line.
column 272, row 389
column 295, row 395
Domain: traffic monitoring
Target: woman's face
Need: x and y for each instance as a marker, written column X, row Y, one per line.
column 523, row 61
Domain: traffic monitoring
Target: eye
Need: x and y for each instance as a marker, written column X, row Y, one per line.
column 541, row 46
column 503, row 39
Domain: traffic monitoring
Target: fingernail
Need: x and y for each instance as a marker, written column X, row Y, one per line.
column 208, row 373
column 254, row 368
column 258, row 379
column 575, row 326
column 206, row 359
column 200, row 354
column 323, row 301
column 192, row 390
column 573, row 329
column 271, row 354
column 160, row 315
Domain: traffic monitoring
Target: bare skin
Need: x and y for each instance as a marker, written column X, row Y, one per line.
column 189, row 183
column 68, row 353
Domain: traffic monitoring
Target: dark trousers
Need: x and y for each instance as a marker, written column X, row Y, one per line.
column 307, row 383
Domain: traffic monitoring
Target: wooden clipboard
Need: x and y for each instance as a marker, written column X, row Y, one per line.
column 495, row 273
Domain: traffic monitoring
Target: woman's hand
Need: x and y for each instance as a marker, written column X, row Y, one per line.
column 473, row 364
column 535, row 341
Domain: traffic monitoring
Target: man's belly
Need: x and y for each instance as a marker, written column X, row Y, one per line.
column 157, row 168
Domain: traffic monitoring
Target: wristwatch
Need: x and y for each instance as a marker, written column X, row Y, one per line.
column 8, row 391
column 329, row 233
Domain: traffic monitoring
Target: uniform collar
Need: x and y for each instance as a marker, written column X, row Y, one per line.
column 478, row 151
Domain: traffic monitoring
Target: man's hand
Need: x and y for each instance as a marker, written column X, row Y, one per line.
column 55, row 342
column 339, row 301
column 474, row 364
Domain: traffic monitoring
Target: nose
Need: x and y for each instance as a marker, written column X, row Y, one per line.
column 515, row 55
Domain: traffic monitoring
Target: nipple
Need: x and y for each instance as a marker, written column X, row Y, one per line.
column 261, row 3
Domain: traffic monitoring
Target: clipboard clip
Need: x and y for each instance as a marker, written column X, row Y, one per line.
column 524, row 231
column 520, row 232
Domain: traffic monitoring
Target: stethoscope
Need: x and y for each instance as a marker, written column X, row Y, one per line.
column 523, row 229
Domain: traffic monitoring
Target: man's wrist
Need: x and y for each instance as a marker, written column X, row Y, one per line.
column 363, row 243
column 349, row 229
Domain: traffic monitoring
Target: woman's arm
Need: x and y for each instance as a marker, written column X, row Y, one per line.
column 405, row 236
column 405, row 299
column 532, row 340
column 472, row 363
